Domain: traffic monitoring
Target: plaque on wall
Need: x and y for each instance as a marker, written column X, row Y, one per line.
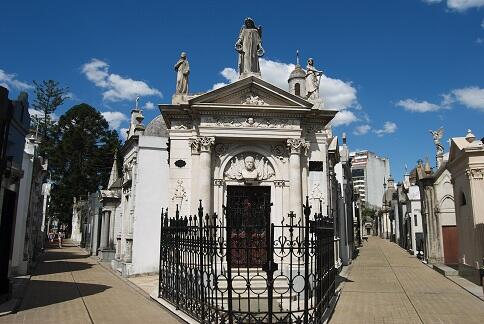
column 180, row 163
column 316, row 165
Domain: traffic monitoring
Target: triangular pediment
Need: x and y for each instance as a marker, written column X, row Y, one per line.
column 251, row 91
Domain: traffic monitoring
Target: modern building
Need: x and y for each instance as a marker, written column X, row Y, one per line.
column 369, row 173
column 466, row 163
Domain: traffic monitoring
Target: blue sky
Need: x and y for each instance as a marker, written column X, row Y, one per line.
column 394, row 68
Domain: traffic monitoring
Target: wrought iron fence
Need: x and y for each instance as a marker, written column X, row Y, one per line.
column 219, row 272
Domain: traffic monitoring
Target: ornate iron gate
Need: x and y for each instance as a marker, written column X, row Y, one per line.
column 199, row 276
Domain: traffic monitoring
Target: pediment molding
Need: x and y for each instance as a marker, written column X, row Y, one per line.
column 251, row 91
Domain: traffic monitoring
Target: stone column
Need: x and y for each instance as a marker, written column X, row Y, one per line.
column 296, row 145
column 205, row 176
column 105, row 230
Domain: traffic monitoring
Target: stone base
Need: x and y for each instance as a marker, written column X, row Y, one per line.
column 179, row 99
column 470, row 273
column 106, row 255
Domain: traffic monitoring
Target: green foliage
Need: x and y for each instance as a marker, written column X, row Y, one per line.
column 80, row 158
column 367, row 214
column 48, row 96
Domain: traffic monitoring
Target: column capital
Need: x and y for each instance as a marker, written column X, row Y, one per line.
column 195, row 145
column 206, row 143
column 297, row 145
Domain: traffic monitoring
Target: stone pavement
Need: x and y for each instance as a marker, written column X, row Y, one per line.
column 70, row 287
column 387, row 285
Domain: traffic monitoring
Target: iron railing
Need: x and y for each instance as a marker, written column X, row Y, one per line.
column 222, row 273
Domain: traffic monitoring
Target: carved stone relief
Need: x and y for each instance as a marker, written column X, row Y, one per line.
column 279, row 152
column 475, row 174
column 240, row 121
column 297, row 145
column 253, row 100
column 249, row 166
column 180, row 193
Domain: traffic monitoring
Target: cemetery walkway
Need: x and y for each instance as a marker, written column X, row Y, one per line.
column 70, row 287
column 387, row 285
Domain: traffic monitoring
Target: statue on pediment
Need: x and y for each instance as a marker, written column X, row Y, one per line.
column 249, row 47
column 313, row 78
column 182, row 69
column 249, row 167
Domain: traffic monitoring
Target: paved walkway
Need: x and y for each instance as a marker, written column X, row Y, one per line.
column 387, row 285
column 69, row 287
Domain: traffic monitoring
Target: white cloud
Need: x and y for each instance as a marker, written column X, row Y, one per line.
column 114, row 118
column 123, row 132
column 117, row 88
column 459, row 5
column 388, row 128
column 344, row 117
column 472, row 97
column 362, row 129
column 149, row 105
column 10, row 81
column 417, row 106
column 462, row 5
column 40, row 114
column 336, row 94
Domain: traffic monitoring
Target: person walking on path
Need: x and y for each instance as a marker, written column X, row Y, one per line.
column 60, row 236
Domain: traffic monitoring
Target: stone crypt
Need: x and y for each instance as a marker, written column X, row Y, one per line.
column 251, row 157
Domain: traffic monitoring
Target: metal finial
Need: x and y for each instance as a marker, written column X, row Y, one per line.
column 297, row 57
column 137, row 102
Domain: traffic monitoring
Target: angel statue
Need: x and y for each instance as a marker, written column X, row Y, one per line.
column 249, row 47
column 437, row 135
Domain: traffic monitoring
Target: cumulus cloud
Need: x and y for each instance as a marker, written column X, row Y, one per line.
column 40, row 114
column 344, row 117
column 417, row 106
column 362, row 129
column 336, row 94
column 459, row 5
column 149, row 105
column 388, row 128
column 114, row 118
column 472, row 97
column 462, row 5
column 10, row 81
column 116, row 87
column 123, row 132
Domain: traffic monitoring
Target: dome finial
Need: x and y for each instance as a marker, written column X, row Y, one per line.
column 297, row 57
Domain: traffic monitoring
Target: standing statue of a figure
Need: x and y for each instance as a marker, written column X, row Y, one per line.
column 182, row 69
column 437, row 136
column 313, row 77
column 249, row 47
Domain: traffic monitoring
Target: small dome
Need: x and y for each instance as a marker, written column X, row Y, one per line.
column 156, row 127
column 298, row 72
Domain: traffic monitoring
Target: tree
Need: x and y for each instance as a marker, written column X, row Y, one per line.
column 81, row 157
column 48, row 96
column 367, row 215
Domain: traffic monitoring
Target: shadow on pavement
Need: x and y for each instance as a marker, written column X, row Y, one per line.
column 50, row 267
column 58, row 292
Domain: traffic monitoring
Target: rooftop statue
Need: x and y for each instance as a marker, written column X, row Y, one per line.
column 313, row 77
column 182, row 69
column 437, row 135
column 249, row 47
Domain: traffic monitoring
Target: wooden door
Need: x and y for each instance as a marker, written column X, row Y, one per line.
column 247, row 214
column 451, row 244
